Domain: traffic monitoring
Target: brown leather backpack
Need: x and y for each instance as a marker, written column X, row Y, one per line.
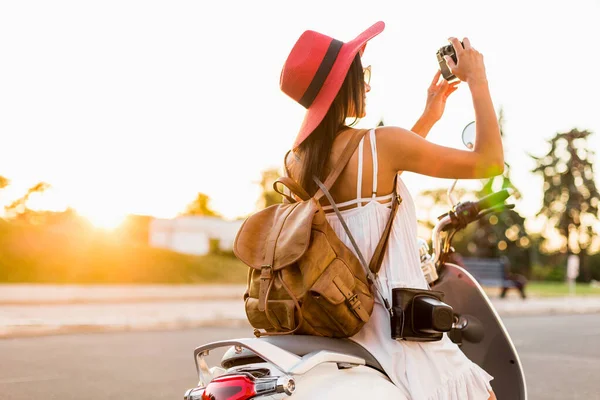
column 302, row 278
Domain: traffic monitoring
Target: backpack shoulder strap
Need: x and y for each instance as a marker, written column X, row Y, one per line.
column 286, row 170
column 379, row 253
column 339, row 166
column 342, row 161
column 291, row 185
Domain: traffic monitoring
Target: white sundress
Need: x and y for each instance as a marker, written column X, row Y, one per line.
column 422, row 370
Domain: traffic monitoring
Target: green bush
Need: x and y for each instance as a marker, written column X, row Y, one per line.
column 213, row 246
column 548, row 273
column 594, row 265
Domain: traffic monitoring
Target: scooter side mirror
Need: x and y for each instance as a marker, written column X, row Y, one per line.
column 468, row 135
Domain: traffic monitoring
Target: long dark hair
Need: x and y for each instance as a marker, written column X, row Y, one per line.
column 314, row 151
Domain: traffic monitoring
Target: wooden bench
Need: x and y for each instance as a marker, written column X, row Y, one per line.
column 493, row 272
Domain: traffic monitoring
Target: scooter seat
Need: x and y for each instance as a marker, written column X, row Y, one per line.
column 302, row 345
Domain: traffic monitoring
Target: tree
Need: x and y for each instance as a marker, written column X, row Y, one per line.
column 18, row 208
column 4, row 182
column 502, row 233
column 200, row 207
column 571, row 198
column 268, row 196
column 434, row 202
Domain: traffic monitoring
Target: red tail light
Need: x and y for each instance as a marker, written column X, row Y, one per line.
column 242, row 386
column 233, row 387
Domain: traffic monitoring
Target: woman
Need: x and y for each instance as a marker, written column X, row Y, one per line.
column 326, row 76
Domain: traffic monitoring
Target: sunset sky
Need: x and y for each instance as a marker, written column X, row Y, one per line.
column 135, row 106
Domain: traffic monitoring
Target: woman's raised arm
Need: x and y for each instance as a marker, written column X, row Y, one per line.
column 404, row 150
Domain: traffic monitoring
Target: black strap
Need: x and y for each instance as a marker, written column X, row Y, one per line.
column 322, row 72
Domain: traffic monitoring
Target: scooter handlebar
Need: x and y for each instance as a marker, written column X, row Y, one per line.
column 468, row 212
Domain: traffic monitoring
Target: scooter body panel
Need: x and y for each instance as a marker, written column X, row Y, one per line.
column 328, row 382
column 495, row 353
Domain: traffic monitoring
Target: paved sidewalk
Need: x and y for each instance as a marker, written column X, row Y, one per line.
column 31, row 310
column 34, row 320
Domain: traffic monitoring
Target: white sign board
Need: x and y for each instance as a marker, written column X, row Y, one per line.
column 572, row 266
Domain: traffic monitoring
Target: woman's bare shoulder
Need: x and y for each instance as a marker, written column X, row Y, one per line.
column 393, row 144
column 391, row 133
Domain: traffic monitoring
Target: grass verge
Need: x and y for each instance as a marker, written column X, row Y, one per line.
column 30, row 254
column 557, row 289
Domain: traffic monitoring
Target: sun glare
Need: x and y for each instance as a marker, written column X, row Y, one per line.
column 104, row 220
column 101, row 214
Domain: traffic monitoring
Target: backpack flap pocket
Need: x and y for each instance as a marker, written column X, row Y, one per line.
column 325, row 287
column 336, row 286
column 352, row 299
column 276, row 236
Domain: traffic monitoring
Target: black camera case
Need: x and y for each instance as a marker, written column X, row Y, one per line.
column 420, row 315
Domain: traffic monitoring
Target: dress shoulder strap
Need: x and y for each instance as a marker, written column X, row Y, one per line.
column 374, row 154
column 359, row 172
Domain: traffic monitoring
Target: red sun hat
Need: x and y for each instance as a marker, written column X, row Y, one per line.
column 315, row 70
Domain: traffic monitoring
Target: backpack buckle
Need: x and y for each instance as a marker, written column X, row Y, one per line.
column 356, row 307
column 266, row 272
column 352, row 300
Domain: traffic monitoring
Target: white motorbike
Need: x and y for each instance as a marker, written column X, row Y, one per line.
column 311, row 367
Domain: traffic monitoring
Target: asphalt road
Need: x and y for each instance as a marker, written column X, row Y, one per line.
column 560, row 354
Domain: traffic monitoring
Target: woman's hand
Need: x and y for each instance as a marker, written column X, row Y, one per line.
column 469, row 67
column 437, row 94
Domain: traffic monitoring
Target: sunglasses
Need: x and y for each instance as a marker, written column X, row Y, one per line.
column 367, row 73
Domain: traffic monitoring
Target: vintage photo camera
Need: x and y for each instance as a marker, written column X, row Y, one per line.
column 447, row 51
